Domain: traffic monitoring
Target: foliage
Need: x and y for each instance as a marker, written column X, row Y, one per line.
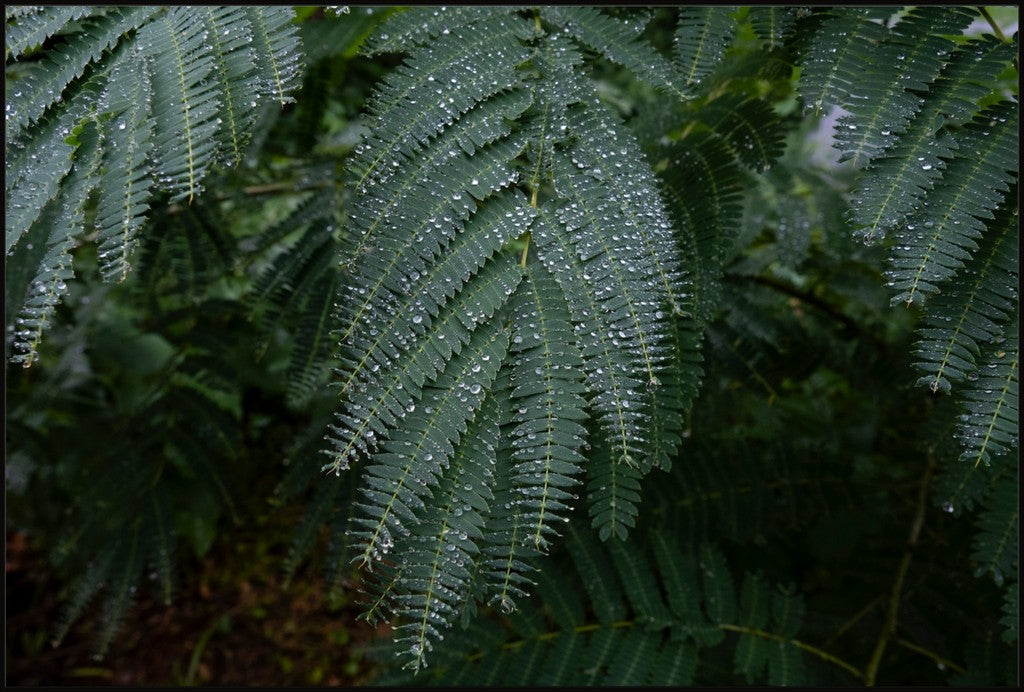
column 558, row 251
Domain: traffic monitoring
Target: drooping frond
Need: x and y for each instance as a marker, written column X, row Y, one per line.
column 994, row 548
column 414, row 458
column 892, row 187
column 990, row 425
column 833, row 63
column 489, row 140
column 906, row 62
column 639, row 620
column 185, row 101
column 55, row 231
column 547, row 384
column 772, row 24
column 436, row 561
column 749, row 125
column 703, row 192
column 237, row 76
column 30, row 29
column 612, row 374
column 37, row 165
column 423, row 328
column 416, row 26
column 275, row 41
column 47, row 80
column 507, row 553
column 938, row 239
column 1011, row 613
column 958, row 324
column 619, row 42
column 613, row 492
column 701, row 37
column 125, row 188
column 164, row 94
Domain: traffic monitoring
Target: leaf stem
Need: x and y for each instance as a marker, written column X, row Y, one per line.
column 944, row 662
column 891, row 619
column 823, row 655
column 992, row 23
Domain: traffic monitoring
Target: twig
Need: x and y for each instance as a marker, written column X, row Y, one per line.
column 992, row 23
column 823, row 655
column 852, row 621
column 891, row 618
column 944, row 662
column 812, row 300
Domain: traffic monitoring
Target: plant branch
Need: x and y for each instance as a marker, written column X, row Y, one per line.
column 812, row 300
column 944, row 662
column 852, row 621
column 992, row 23
column 892, row 614
column 823, row 655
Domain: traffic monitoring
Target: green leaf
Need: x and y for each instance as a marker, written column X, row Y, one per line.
column 701, row 37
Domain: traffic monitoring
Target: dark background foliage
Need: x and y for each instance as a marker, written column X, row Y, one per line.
column 172, row 427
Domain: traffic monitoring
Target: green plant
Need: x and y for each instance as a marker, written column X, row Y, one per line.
column 557, row 226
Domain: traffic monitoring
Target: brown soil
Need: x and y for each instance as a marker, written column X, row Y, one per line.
column 231, row 623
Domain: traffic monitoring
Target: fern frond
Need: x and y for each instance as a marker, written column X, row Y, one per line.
column 751, row 655
column 276, row 45
column 773, row 25
column 413, row 319
column 606, row 148
column 994, row 549
column 43, row 85
column 832, row 64
column 436, row 561
column 613, row 493
column 618, row 42
column 230, row 36
column 907, row 61
column 432, row 89
column 703, row 186
column 37, row 165
column 57, row 226
column 595, row 567
column 958, row 323
column 125, row 188
column 418, row 26
column 752, row 129
column 938, row 240
column 185, row 102
column 989, row 427
column 415, row 457
column 622, row 632
column 86, row 587
column 31, row 29
column 1011, row 613
column 547, row 384
column 893, row 186
column 309, row 359
column 702, row 34
column 507, row 552
column 681, row 583
column 719, row 593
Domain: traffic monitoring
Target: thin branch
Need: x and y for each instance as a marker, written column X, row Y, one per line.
column 852, row 621
column 992, row 23
column 823, row 655
column 892, row 614
column 812, row 300
column 943, row 662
